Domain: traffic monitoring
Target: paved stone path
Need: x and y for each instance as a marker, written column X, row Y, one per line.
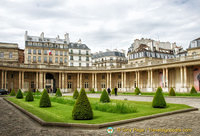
column 15, row 123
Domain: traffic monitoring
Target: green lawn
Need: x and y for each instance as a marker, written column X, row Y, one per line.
column 60, row 112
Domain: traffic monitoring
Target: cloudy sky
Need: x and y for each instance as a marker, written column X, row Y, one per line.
column 101, row 24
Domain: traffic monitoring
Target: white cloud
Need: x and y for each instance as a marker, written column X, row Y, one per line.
column 101, row 24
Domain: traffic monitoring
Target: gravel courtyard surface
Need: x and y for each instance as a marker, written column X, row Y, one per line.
column 15, row 123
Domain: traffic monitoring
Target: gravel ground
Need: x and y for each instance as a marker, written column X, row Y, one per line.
column 15, row 123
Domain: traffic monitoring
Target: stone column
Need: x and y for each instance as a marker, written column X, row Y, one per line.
column 41, row 81
column 107, row 80
column 185, row 77
column 20, row 77
column 60, row 80
column 5, row 80
column 2, row 79
column 92, row 80
column 63, row 80
column 138, row 79
column 44, row 79
column 148, row 79
column 125, row 81
column 81, row 80
column 151, row 78
column 36, row 81
column 166, row 78
column 66, row 81
column 181, row 75
column 122, row 80
column 23, row 81
column 95, row 80
column 110, row 80
column 78, row 81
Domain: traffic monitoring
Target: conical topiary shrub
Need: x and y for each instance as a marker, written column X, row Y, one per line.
column 82, row 109
column 45, row 100
column 29, row 97
column 12, row 93
column 104, row 97
column 193, row 90
column 75, row 94
column 92, row 90
column 19, row 94
column 137, row 91
column 159, row 100
column 172, row 92
column 58, row 93
column 113, row 91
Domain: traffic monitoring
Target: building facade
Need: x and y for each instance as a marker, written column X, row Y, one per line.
column 109, row 58
column 181, row 73
column 56, row 51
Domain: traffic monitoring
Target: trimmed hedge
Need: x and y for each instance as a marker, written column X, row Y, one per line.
column 193, row 90
column 82, row 109
column 29, row 97
column 113, row 91
column 92, row 90
column 159, row 100
column 19, row 94
column 12, row 93
column 172, row 92
column 75, row 94
column 58, row 92
column 104, row 97
column 137, row 91
column 45, row 100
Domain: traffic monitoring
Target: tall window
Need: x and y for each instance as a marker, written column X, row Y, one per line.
column 56, row 53
column 87, row 53
column 61, row 60
column 65, row 60
column 34, row 51
column 39, row 51
column 61, row 53
column 79, row 51
column 45, row 52
column 29, row 51
column 71, row 57
column 69, row 85
column 119, row 84
column 50, row 59
column 79, row 58
column 45, row 59
column 86, row 85
column 69, row 77
column 56, row 60
column 87, row 58
column 71, row 51
column 34, row 58
column 10, row 55
column 79, row 64
column 87, row 64
column 65, row 53
column 1, row 54
column 29, row 58
column 39, row 58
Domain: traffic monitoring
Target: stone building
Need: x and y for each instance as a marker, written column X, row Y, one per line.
column 144, row 50
column 109, row 58
column 181, row 73
column 56, row 51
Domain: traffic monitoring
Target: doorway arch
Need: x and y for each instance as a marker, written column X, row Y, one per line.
column 50, row 83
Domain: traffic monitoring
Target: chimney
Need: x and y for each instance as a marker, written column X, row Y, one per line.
column 79, row 41
column 58, row 37
column 42, row 36
column 26, row 35
column 67, row 38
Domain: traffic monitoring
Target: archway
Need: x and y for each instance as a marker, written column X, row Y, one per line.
column 50, row 83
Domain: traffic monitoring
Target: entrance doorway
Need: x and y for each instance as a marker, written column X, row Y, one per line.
column 50, row 83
